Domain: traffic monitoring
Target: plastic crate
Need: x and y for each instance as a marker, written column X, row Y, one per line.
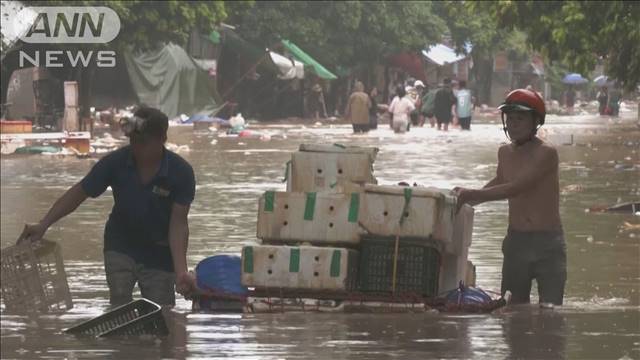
column 33, row 278
column 139, row 317
column 418, row 266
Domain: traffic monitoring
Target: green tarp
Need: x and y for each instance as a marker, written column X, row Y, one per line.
column 303, row 57
column 170, row 80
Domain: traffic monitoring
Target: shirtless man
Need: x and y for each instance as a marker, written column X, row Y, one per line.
column 527, row 176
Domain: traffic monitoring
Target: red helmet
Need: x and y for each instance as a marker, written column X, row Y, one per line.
column 524, row 100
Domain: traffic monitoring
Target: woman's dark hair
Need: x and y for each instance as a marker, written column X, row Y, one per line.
column 400, row 91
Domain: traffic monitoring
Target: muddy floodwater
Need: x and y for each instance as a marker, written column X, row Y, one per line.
column 600, row 319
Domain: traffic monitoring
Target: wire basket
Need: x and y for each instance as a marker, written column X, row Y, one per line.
column 33, row 278
column 139, row 317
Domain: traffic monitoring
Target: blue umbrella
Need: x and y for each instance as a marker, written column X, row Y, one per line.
column 574, row 79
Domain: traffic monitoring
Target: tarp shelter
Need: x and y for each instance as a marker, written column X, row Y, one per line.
column 289, row 68
column 442, row 54
column 170, row 80
column 303, row 57
column 254, row 80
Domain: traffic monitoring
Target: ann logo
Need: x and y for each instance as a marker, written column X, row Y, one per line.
column 42, row 25
column 66, row 24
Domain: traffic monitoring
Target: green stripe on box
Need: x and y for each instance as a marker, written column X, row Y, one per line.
column 407, row 194
column 310, row 206
column 269, row 199
column 354, row 206
column 247, row 257
column 335, row 263
column 407, row 197
column 294, row 260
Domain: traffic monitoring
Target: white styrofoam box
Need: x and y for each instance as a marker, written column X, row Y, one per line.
column 429, row 213
column 317, row 218
column 453, row 270
column 342, row 149
column 331, row 168
column 455, row 264
column 462, row 230
column 299, row 267
column 470, row 279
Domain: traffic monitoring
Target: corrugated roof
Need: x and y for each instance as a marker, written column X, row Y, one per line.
column 442, row 54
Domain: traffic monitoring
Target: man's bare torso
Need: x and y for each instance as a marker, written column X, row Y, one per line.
column 537, row 208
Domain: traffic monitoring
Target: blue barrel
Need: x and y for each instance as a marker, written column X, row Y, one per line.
column 221, row 274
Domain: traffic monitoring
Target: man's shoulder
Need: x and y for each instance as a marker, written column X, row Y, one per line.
column 543, row 151
column 117, row 155
column 178, row 162
column 504, row 148
column 545, row 146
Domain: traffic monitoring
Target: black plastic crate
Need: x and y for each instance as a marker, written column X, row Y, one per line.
column 139, row 317
column 418, row 266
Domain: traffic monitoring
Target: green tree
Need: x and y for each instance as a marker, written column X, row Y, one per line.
column 344, row 34
column 580, row 33
column 472, row 22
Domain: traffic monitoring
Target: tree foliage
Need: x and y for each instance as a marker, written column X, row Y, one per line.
column 344, row 33
column 580, row 33
column 472, row 23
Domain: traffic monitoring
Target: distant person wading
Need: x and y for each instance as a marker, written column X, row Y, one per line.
column 464, row 106
column 357, row 112
column 400, row 108
column 443, row 104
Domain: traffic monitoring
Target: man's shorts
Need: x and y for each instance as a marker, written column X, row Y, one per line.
column 123, row 273
column 465, row 123
column 443, row 119
column 539, row 255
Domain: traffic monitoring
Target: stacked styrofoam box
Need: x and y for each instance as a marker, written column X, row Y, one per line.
column 332, row 200
column 331, row 168
column 316, row 218
column 429, row 214
column 298, row 267
column 312, row 223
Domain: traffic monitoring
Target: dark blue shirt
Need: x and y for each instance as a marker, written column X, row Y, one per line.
column 139, row 221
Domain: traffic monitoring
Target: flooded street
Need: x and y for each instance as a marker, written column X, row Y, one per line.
column 600, row 319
